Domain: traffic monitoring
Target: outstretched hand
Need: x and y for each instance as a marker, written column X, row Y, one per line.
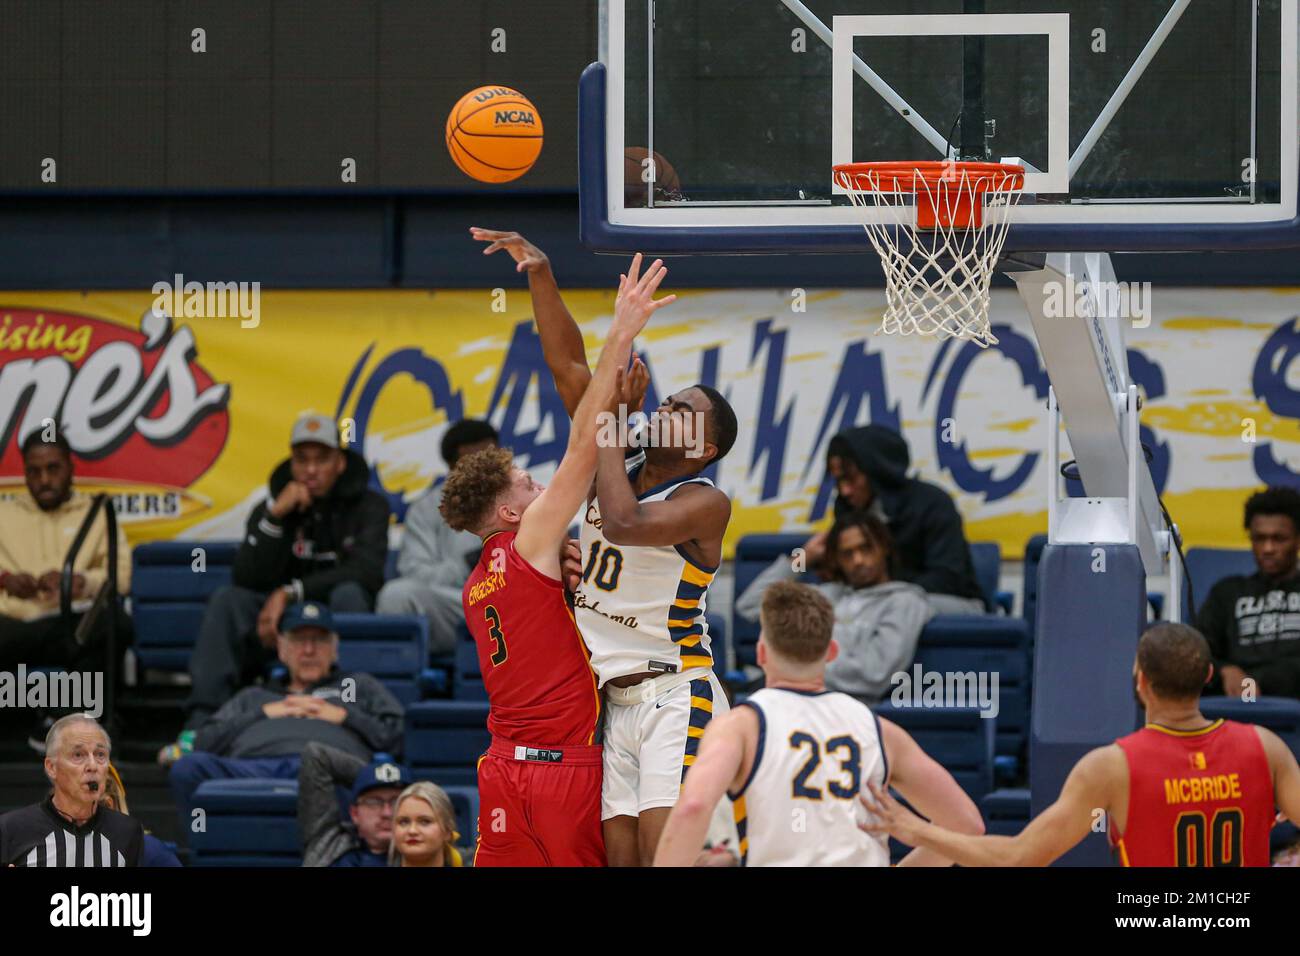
column 636, row 302
column 888, row 817
column 527, row 255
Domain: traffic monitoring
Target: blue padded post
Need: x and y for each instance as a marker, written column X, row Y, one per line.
column 1088, row 626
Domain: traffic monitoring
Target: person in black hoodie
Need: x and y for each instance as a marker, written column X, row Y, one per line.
column 321, row 536
column 869, row 464
column 1252, row 623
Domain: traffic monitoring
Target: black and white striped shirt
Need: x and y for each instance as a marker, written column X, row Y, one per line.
column 40, row 836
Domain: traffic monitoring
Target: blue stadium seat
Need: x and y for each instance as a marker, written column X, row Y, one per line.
column 1279, row 714
column 1208, row 566
column 465, row 802
column 444, row 740
column 986, row 556
column 391, row 647
column 754, row 552
column 467, row 678
column 248, row 823
column 1029, row 604
column 957, row 737
column 1005, row 811
column 390, row 564
column 988, row 644
column 168, row 597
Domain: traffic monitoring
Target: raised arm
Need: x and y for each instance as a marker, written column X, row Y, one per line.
column 1092, row 785
column 722, row 754
column 694, row 512
column 544, row 524
column 562, row 345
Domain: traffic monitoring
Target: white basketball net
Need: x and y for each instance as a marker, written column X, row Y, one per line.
column 936, row 280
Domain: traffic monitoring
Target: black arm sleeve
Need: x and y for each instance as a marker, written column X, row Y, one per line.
column 262, row 561
column 946, row 552
column 363, row 562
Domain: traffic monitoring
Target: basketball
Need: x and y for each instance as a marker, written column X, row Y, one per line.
column 494, row 134
column 636, row 172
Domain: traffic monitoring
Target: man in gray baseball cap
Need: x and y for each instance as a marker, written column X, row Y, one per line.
column 322, row 535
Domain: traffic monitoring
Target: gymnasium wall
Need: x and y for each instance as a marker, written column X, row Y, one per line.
column 186, row 420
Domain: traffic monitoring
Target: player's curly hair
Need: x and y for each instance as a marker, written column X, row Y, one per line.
column 1277, row 500
column 473, row 487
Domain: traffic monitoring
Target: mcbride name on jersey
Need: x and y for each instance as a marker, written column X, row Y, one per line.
column 641, row 608
column 799, row 806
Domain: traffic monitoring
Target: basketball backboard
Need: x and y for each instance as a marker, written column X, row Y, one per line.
column 1143, row 124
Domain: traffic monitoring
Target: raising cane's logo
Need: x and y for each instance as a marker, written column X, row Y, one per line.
column 144, row 419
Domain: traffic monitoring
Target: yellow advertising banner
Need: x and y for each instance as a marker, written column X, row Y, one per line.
column 181, row 402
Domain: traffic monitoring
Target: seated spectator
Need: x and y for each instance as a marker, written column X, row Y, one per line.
column 1253, row 623
column 156, row 852
column 322, row 536
column 35, row 535
column 424, row 828
column 261, row 731
column 374, row 787
column 869, row 465
column 435, row 560
column 71, row 827
column 878, row 620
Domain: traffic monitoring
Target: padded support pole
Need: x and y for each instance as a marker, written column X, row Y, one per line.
column 1090, row 616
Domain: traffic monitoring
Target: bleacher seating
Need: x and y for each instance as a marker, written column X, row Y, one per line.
column 957, row 737
column 444, row 740
column 1279, row 714
column 168, row 597
column 754, row 552
column 391, row 647
column 1207, row 566
column 1006, row 811
column 248, row 823
column 986, row 557
column 990, row 645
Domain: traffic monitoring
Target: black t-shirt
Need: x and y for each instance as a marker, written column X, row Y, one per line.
column 1254, row 623
column 39, row 836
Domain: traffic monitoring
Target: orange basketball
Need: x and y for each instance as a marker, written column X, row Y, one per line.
column 494, row 134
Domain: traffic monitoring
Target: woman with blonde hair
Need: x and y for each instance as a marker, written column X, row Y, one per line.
column 424, row 828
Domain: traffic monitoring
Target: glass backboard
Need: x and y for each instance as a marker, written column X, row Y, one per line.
column 1143, row 124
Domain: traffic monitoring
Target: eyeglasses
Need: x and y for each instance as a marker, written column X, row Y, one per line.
column 377, row 803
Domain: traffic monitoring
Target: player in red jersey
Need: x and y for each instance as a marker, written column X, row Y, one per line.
column 1182, row 791
column 540, row 781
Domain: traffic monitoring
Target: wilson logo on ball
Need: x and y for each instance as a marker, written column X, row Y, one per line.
column 494, row 134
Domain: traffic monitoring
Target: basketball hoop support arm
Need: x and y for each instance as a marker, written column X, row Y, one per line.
column 1084, row 351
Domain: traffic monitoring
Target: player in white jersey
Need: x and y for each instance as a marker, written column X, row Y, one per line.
column 794, row 758
column 652, row 543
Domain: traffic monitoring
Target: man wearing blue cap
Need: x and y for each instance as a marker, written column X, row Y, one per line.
column 262, row 730
column 327, row 839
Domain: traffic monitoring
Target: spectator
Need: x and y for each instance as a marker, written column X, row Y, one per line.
column 1252, row 623
column 156, row 852
column 70, row 827
column 322, row 536
column 424, row 828
column 35, row 534
column 435, row 560
column 878, row 620
column 261, row 731
column 374, row 787
column 869, row 465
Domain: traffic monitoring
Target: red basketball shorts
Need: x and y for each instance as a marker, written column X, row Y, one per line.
column 539, row 806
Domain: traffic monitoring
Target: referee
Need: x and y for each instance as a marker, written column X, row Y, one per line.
column 70, row 827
